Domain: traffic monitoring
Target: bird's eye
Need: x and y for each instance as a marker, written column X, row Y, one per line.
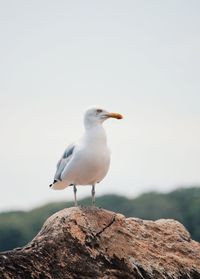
column 99, row 110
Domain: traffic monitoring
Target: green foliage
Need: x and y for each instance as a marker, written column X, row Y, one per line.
column 17, row 228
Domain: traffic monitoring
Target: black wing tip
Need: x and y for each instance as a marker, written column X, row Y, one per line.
column 53, row 183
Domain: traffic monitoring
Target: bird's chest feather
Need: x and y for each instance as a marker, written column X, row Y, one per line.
column 94, row 158
column 92, row 165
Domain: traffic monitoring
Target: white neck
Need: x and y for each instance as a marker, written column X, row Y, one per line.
column 95, row 134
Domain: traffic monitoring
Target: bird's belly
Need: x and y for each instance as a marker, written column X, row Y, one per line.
column 88, row 168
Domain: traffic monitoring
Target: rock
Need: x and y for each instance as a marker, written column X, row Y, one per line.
column 89, row 242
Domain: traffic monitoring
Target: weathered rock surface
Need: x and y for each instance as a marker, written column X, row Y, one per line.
column 89, row 242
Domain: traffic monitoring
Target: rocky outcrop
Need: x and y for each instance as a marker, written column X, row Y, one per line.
column 88, row 242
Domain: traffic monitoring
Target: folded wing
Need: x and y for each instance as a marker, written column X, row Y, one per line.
column 62, row 163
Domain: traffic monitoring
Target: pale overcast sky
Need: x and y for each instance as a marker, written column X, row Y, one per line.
column 139, row 58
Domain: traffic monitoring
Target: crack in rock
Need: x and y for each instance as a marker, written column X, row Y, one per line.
column 107, row 226
column 91, row 239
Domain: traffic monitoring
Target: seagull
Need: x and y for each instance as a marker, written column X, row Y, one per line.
column 87, row 161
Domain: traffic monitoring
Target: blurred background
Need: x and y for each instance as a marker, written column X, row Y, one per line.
column 138, row 58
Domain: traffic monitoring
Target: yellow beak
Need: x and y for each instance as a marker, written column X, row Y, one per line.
column 114, row 115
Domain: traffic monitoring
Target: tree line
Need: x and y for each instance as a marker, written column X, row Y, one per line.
column 19, row 227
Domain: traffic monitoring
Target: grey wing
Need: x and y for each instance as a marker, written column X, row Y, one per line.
column 64, row 161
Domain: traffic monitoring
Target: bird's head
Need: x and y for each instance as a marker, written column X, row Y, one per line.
column 95, row 116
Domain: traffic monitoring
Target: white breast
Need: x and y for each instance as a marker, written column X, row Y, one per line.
column 91, row 160
column 87, row 167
